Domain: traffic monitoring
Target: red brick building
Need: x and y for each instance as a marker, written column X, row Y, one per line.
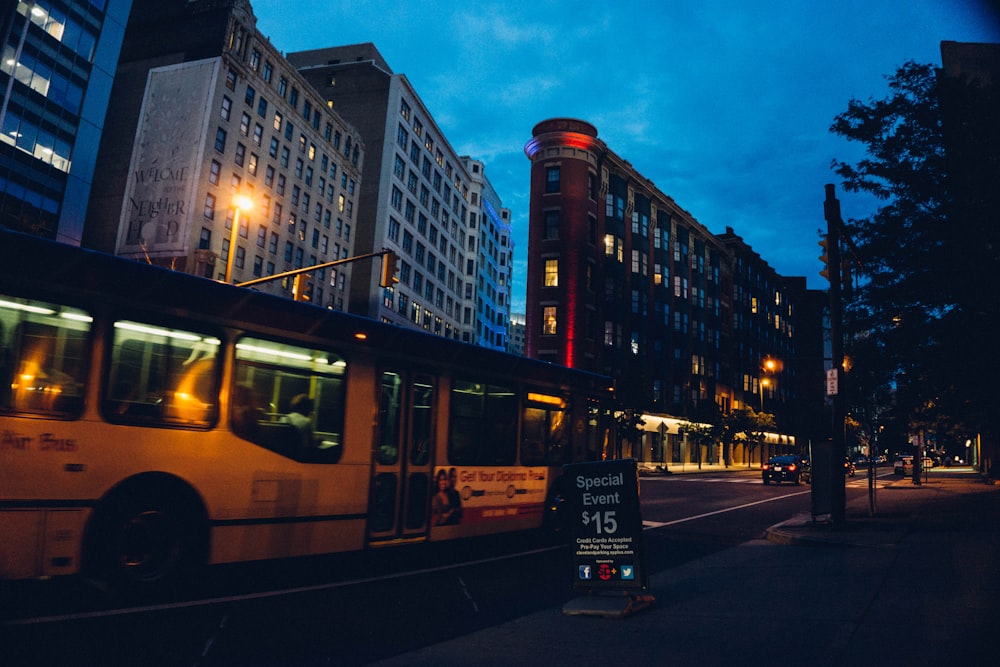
column 623, row 281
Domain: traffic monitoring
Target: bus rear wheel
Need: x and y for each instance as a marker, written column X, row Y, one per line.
column 145, row 543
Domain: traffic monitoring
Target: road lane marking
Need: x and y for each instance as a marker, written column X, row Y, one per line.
column 661, row 524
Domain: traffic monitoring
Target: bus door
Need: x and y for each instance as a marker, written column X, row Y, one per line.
column 401, row 473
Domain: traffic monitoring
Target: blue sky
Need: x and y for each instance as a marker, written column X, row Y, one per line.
column 724, row 104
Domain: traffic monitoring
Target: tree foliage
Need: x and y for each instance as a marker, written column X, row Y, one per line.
column 926, row 307
column 628, row 427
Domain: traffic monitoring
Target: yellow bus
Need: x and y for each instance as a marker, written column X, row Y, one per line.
column 153, row 422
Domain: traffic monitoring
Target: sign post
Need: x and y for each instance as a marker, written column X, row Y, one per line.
column 608, row 555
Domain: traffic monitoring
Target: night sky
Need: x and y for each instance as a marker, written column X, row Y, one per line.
column 725, row 105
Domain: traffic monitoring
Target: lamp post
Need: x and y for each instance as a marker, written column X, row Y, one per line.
column 240, row 203
column 769, row 366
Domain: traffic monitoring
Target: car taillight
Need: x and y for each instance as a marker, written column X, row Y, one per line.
column 791, row 468
column 767, row 466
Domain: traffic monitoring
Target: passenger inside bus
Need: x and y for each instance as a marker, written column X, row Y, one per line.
column 300, row 410
column 248, row 412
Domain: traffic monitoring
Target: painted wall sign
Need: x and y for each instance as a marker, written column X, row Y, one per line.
column 159, row 200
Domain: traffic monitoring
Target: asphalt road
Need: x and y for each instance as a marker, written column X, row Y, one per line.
column 356, row 609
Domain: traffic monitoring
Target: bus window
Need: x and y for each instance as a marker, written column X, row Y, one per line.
column 544, row 431
column 273, row 381
column 43, row 357
column 483, row 424
column 389, row 407
column 422, row 429
column 594, row 446
column 162, row 376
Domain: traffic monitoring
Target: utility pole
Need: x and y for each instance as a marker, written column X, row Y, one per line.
column 834, row 223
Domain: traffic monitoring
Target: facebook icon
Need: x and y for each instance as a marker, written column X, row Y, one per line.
column 585, row 572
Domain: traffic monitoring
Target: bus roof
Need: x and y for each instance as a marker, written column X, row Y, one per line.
column 61, row 272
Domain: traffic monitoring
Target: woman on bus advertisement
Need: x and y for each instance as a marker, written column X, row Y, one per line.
column 479, row 494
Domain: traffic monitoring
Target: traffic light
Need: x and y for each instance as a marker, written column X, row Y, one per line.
column 846, row 279
column 825, row 258
column 388, row 278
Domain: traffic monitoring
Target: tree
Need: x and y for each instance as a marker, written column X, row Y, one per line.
column 704, row 429
column 732, row 426
column 747, row 425
column 628, row 423
column 921, row 316
column 755, row 428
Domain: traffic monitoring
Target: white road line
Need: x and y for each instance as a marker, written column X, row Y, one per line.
column 660, row 524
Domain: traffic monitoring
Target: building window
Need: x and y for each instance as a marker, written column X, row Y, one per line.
column 551, row 273
column 226, row 108
column 220, row 140
column 549, row 321
column 552, row 179
column 551, row 225
column 210, row 206
column 213, row 172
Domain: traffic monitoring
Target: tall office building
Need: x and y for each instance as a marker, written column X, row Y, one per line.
column 205, row 110
column 494, row 259
column 515, row 334
column 416, row 199
column 623, row 281
column 56, row 70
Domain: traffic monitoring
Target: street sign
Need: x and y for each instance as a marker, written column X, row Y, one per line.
column 831, row 382
column 608, row 549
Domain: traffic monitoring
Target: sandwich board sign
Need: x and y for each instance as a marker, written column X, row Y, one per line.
column 606, row 531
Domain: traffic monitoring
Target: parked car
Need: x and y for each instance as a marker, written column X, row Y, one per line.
column 782, row 468
column 903, row 465
column 849, row 467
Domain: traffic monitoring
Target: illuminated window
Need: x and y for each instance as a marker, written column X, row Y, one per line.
column 551, row 273
column 549, row 320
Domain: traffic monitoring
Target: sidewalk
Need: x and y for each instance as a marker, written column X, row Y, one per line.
column 916, row 584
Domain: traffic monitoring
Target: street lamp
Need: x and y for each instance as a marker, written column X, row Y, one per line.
column 240, row 203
